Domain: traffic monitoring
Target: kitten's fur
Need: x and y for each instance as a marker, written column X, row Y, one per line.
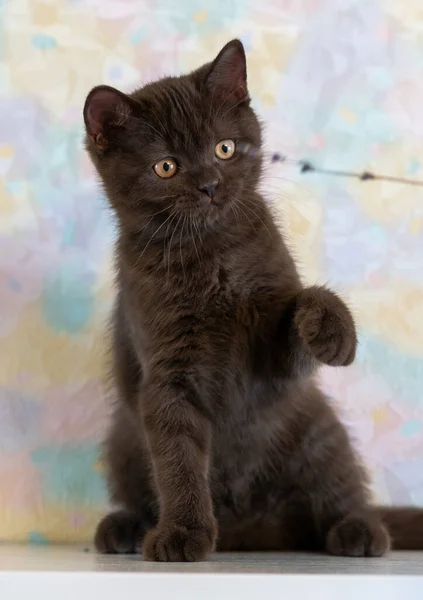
column 220, row 438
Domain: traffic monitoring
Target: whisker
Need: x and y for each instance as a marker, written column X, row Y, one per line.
column 180, row 247
column 170, row 245
column 248, row 207
column 196, row 225
column 236, row 213
column 193, row 239
column 285, row 179
column 152, row 217
column 245, row 215
column 148, row 243
column 164, row 240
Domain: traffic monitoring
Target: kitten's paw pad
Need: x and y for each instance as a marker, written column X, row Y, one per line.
column 177, row 544
column 326, row 326
column 119, row 533
column 357, row 536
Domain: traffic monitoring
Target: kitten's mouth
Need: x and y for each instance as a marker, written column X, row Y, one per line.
column 217, row 201
column 206, row 206
column 217, row 206
column 207, row 214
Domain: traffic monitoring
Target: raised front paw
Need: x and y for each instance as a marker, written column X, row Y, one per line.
column 175, row 543
column 326, row 326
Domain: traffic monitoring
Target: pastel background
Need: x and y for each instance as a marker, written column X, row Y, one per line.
column 339, row 82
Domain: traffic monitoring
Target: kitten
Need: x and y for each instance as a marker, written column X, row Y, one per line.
column 220, row 438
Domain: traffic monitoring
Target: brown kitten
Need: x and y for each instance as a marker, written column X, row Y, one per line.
column 220, row 437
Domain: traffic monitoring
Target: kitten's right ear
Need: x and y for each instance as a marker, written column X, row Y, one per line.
column 103, row 107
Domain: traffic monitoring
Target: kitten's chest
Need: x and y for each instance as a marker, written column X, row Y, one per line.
column 210, row 306
column 207, row 290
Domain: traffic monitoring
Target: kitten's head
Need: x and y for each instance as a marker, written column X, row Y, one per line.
column 176, row 148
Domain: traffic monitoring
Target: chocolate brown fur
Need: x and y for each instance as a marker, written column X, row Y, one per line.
column 220, row 437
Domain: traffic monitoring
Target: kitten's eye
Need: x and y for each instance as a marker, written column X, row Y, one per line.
column 165, row 168
column 225, row 149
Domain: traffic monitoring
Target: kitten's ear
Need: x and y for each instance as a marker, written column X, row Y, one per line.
column 103, row 107
column 227, row 77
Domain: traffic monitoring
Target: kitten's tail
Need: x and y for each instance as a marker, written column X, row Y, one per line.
column 405, row 525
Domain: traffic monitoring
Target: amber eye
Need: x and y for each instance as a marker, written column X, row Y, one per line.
column 165, row 168
column 225, row 149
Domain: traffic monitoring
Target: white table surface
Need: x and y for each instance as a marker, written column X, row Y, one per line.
column 62, row 573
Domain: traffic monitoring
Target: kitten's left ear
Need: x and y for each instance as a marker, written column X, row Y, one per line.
column 227, row 77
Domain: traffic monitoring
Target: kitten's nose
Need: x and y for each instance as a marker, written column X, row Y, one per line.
column 209, row 188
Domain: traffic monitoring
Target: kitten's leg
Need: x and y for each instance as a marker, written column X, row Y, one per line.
column 179, row 436
column 337, row 486
column 319, row 496
column 126, row 456
column 327, row 330
column 293, row 530
column 130, row 486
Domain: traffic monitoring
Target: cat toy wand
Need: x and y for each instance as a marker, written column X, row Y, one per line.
column 306, row 166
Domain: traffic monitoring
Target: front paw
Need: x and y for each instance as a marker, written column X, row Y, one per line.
column 119, row 532
column 326, row 326
column 176, row 543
